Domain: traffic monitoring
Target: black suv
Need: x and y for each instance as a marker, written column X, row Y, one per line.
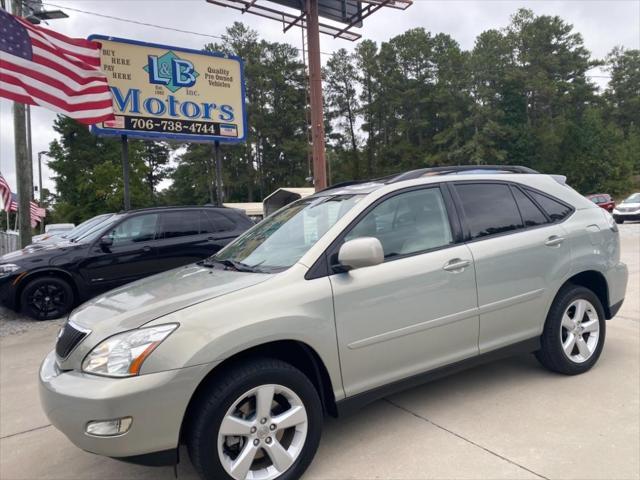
column 48, row 282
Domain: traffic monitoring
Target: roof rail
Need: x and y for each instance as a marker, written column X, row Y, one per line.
column 170, row 207
column 457, row 169
column 343, row 184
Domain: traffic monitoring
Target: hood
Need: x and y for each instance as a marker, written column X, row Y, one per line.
column 140, row 302
column 34, row 251
column 633, row 206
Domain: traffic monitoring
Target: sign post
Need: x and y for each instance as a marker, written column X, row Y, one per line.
column 125, row 172
column 172, row 93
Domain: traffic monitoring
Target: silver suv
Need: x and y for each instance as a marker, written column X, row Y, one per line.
column 328, row 304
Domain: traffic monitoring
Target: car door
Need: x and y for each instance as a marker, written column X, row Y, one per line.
column 128, row 254
column 415, row 311
column 519, row 254
column 183, row 237
column 225, row 227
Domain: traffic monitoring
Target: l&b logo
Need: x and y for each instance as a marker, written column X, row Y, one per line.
column 171, row 71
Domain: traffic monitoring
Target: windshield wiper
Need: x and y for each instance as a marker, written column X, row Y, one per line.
column 238, row 266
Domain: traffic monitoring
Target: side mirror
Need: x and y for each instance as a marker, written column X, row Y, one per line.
column 361, row 252
column 106, row 243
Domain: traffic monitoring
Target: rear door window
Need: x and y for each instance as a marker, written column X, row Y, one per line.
column 556, row 210
column 489, row 208
column 220, row 222
column 531, row 214
column 180, row 223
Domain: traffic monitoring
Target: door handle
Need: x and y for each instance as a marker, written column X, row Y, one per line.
column 146, row 249
column 456, row 265
column 554, row 241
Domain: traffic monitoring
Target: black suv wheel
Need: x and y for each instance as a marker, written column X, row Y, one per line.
column 46, row 298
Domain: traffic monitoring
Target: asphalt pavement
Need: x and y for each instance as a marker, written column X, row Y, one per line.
column 506, row 420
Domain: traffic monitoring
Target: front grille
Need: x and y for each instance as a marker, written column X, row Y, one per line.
column 68, row 338
column 627, row 209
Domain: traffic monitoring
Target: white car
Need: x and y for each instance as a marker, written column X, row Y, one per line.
column 53, row 229
column 629, row 209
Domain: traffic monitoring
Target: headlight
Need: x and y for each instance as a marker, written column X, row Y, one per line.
column 123, row 355
column 7, row 268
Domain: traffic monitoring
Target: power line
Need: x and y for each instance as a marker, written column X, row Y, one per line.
column 145, row 24
column 189, row 32
column 128, row 20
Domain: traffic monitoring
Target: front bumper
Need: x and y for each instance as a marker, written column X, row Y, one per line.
column 157, row 403
column 626, row 216
column 8, row 291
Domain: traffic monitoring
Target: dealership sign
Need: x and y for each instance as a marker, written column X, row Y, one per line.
column 172, row 93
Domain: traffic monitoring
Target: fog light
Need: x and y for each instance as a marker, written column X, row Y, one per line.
column 109, row 428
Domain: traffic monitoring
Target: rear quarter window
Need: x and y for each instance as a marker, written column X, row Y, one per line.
column 556, row 210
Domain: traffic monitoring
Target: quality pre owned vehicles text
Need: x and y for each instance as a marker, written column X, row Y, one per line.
column 330, row 303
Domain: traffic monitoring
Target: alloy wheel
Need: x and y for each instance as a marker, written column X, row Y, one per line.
column 580, row 331
column 47, row 300
column 263, row 433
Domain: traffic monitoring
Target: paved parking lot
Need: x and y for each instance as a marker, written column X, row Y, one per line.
column 510, row 419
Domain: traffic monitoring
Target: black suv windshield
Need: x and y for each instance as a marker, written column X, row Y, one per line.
column 282, row 239
column 97, row 230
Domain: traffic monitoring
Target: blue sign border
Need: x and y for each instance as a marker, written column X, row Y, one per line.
column 176, row 136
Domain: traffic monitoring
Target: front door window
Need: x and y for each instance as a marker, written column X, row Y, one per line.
column 408, row 223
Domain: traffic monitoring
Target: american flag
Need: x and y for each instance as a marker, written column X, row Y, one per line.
column 10, row 203
column 41, row 67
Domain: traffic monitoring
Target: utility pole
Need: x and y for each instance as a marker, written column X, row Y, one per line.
column 23, row 162
column 315, row 94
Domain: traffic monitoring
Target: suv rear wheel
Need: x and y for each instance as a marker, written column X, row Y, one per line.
column 261, row 419
column 46, row 298
column 574, row 332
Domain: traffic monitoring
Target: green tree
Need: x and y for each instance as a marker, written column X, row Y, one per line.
column 155, row 156
column 88, row 173
column 342, row 103
column 623, row 91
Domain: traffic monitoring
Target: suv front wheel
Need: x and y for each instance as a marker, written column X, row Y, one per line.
column 260, row 419
column 46, row 298
column 574, row 332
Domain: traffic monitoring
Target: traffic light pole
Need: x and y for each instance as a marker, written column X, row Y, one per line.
column 315, row 97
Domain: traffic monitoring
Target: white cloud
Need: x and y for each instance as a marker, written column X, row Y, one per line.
column 603, row 24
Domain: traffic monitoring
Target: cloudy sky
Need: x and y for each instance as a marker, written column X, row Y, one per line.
column 603, row 24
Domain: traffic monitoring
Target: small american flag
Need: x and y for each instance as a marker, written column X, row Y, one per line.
column 10, row 203
column 41, row 67
column 6, row 195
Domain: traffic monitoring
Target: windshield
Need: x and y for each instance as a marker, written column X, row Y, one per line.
column 282, row 239
column 635, row 198
column 94, row 232
column 85, row 226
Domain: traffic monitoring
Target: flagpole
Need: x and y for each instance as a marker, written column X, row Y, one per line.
column 23, row 172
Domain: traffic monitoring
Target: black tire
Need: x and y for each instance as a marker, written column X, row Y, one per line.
column 618, row 220
column 212, row 404
column 551, row 354
column 46, row 298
